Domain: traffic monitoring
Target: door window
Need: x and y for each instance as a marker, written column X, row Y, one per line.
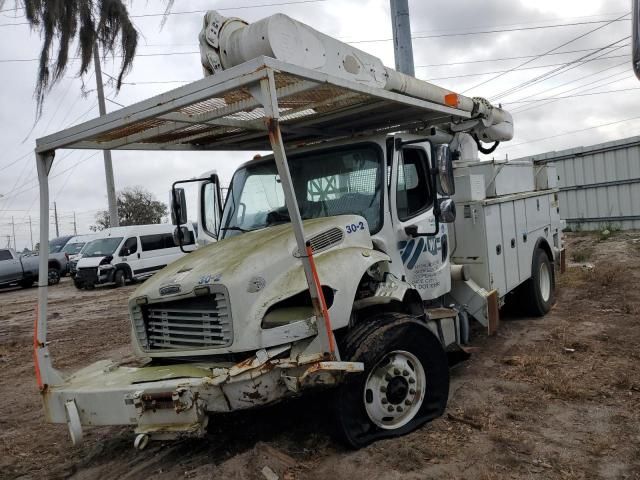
column 413, row 193
column 5, row 255
column 210, row 199
column 130, row 247
column 162, row 241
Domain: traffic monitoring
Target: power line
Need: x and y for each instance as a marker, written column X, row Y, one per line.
column 448, row 64
column 571, row 132
column 579, row 88
column 572, row 96
column 522, row 69
column 526, row 108
column 503, row 30
column 546, row 53
column 557, row 71
column 187, row 12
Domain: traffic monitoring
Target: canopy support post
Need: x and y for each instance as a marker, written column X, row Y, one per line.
column 45, row 373
column 269, row 99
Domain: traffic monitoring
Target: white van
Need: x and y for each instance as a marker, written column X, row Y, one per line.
column 122, row 254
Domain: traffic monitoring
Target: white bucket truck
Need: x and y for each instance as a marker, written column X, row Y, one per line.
column 340, row 260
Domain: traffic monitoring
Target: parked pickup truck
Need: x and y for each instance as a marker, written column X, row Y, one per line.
column 23, row 270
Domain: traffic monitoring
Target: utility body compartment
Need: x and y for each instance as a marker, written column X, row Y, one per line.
column 495, row 238
column 501, row 177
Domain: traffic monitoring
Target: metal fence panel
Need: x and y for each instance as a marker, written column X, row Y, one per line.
column 599, row 184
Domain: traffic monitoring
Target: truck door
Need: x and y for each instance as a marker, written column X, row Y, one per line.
column 130, row 254
column 10, row 267
column 424, row 256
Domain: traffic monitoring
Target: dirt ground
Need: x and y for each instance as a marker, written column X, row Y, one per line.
column 551, row 398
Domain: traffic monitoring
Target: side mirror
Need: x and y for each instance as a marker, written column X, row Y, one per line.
column 447, row 212
column 180, row 233
column 178, row 206
column 635, row 37
column 444, row 164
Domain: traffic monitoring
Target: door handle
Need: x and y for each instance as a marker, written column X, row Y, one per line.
column 138, row 255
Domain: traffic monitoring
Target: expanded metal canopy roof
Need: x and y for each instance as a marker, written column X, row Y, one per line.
column 222, row 112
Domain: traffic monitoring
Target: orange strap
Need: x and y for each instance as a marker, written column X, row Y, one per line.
column 323, row 303
column 35, row 352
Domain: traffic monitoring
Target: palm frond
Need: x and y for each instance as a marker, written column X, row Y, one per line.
column 103, row 24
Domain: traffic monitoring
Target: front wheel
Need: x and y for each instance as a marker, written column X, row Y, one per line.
column 119, row 278
column 405, row 382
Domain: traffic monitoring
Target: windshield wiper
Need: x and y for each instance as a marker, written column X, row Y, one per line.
column 239, row 229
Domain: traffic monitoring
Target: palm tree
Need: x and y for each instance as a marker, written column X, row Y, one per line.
column 92, row 23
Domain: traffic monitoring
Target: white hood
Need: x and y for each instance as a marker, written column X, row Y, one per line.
column 88, row 262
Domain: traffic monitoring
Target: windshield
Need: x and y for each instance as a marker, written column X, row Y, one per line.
column 73, row 248
column 333, row 182
column 57, row 244
column 101, row 247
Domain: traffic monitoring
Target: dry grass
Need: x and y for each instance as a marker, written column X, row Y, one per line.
column 581, row 255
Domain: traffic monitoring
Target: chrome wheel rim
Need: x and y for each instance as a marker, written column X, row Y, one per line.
column 394, row 390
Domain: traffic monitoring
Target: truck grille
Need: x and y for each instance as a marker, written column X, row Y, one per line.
column 192, row 323
column 324, row 240
column 87, row 275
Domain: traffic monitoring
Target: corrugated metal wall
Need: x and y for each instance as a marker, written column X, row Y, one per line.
column 599, row 184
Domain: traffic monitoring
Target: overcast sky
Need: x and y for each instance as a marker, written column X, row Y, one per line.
column 77, row 180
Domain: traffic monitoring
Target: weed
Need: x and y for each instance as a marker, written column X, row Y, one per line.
column 582, row 255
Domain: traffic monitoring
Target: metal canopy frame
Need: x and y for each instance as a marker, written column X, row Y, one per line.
column 263, row 104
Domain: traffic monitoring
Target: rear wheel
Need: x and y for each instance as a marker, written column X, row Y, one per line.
column 539, row 291
column 405, row 382
column 120, row 278
column 54, row 276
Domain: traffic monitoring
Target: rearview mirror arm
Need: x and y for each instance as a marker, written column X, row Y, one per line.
column 213, row 178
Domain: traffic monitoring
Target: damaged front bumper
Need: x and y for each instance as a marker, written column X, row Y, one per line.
column 172, row 401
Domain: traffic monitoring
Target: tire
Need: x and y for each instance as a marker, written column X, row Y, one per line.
column 405, row 382
column 79, row 285
column 54, row 276
column 119, row 278
column 539, row 291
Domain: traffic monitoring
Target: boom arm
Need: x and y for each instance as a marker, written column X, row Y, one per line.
column 227, row 42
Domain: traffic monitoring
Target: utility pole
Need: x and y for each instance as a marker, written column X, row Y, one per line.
column 402, row 48
column 75, row 226
column 108, row 165
column 13, row 229
column 31, row 233
column 55, row 213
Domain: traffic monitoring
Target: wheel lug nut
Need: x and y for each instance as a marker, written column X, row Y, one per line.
column 385, row 401
column 405, row 373
column 412, row 380
column 383, row 388
column 390, row 408
column 399, row 408
column 388, row 377
column 407, row 402
column 412, row 391
column 396, row 371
